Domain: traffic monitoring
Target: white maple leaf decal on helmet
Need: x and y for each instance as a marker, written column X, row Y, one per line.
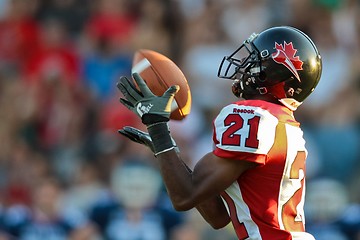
column 285, row 55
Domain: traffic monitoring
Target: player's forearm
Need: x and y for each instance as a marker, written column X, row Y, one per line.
column 212, row 210
column 176, row 175
column 182, row 191
column 177, row 180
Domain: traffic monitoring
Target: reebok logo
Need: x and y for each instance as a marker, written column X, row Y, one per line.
column 241, row 110
column 142, row 109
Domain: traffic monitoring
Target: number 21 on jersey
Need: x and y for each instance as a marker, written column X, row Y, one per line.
column 236, row 122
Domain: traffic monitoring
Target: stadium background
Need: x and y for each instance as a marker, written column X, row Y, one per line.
column 59, row 111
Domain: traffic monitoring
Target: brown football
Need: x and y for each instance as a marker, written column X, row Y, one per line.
column 159, row 72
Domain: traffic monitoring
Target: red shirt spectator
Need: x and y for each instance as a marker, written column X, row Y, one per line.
column 19, row 39
column 112, row 22
column 56, row 59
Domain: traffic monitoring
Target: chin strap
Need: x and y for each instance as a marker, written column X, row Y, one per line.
column 262, row 90
column 241, row 89
column 247, row 89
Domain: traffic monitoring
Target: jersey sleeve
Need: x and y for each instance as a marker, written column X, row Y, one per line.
column 244, row 132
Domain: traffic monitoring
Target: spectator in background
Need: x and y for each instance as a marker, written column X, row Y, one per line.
column 196, row 228
column 206, row 37
column 57, row 59
column 108, row 33
column 46, row 218
column 111, row 20
column 3, row 235
column 19, row 35
column 241, row 18
column 58, row 112
column 85, row 189
column 102, row 67
column 160, row 28
column 331, row 215
column 350, row 221
column 19, row 176
column 73, row 14
column 326, row 202
column 333, row 54
column 132, row 212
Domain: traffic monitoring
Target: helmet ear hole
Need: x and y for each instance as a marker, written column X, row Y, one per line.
column 262, row 76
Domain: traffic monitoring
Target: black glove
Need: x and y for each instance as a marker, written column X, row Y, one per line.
column 153, row 110
column 137, row 136
column 149, row 107
column 141, row 137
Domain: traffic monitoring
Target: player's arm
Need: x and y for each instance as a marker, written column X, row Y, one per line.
column 214, row 212
column 211, row 176
column 197, row 188
column 212, row 209
column 201, row 188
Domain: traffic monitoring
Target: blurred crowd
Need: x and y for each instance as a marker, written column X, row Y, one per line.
column 65, row 173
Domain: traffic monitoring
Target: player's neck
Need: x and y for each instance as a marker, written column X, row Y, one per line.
column 265, row 97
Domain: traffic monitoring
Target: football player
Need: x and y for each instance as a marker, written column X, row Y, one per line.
column 255, row 175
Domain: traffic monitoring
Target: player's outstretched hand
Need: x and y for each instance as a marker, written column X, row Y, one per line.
column 149, row 107
column 141, row 137
column 137, row 136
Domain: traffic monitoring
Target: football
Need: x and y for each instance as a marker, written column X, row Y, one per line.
column 159, row 72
